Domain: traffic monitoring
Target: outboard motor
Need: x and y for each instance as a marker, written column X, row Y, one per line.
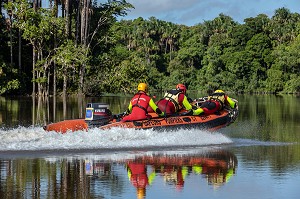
column 97, row 114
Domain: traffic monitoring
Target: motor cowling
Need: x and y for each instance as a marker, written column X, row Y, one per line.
column 97, row 114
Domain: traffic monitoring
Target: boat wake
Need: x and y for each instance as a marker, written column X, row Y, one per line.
column 37, row 139
column 239, row 142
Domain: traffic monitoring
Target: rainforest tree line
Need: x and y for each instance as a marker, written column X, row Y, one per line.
column 79, row 46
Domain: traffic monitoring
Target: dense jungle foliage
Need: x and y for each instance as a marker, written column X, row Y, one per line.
column 80, row 47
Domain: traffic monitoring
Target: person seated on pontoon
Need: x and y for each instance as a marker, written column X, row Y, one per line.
column 216, row 102
column 137, row 108
column 176, row 100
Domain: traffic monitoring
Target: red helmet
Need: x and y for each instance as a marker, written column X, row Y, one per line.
column 181, row 87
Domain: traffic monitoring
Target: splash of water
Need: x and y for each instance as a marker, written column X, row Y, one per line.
column 36, row 139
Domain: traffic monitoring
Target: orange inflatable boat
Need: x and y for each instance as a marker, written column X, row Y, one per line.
column 99, row 115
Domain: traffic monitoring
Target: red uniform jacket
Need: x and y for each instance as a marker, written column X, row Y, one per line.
column 140, row 103
column 138, row 177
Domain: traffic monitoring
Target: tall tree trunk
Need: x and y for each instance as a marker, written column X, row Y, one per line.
column 80, row 107
column 82, row 24
column 54, row 79
column 33, row 68
column 77, row 22
column 33, row 110
column 47, row 115
column 84, row 37
column 48, row 83
column 85, row 21
column 71, row 7
column 81, row 78
column 68, row 20
column 88, row 2
column 20, row 51
column 11, row 40
column 39, row 109
column 54, row 108
column 65, row 83
column 45, row 83
column 38, row 75
column 35, row 6
column 65, row 94
column 64, row 103
column 55, row 46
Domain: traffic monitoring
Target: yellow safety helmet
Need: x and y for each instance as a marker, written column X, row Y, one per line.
column 219, row 91
column 143, row 87
column 141, row 192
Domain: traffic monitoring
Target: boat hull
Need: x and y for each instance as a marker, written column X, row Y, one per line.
column 213, row 121
column 209, row 122
column 67, row 125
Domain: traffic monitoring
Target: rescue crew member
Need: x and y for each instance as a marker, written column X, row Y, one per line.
column 139, row 104
column 138, row 176
column 216, row 102
column 175, row 100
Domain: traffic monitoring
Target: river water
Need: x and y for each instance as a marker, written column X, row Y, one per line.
column 258, row 156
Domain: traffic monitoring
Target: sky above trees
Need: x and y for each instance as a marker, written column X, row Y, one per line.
column 191, row 12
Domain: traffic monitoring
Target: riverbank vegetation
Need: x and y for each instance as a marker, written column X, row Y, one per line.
column 80, row 47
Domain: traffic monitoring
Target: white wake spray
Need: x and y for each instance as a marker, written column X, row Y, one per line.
column 36, row 139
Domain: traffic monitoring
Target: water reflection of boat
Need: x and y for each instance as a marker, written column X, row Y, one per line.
column 217, row 167
column 98, row 175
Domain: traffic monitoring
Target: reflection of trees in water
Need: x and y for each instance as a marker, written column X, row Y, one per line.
column 268, row 117
column 101, row 173
column 281, row 158
column 39, row 178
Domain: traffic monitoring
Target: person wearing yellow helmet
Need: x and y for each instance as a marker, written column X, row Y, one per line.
column 139, row 177
column 143, row 87
column 176, row 100
column 139, row 104
column 217, row 101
